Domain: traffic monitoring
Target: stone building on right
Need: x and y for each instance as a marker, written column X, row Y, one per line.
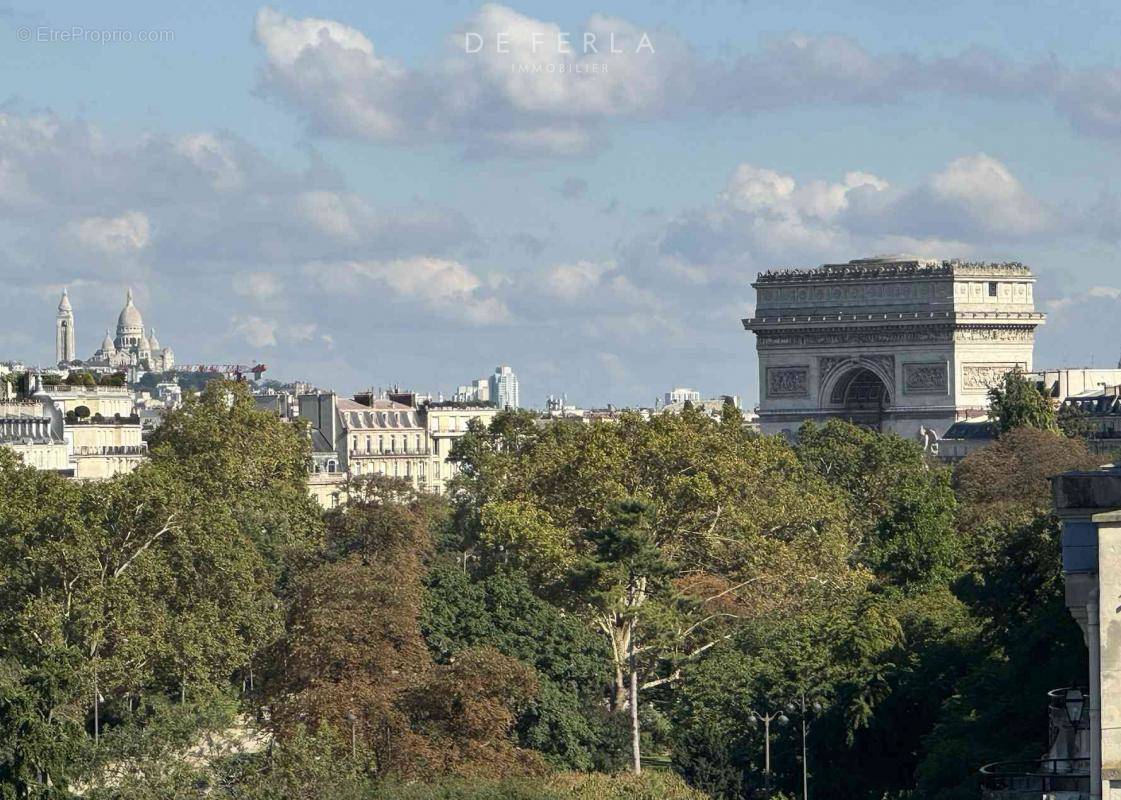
column 894, row 343
column 1088, row 503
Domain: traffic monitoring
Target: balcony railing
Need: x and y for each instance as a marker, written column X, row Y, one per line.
column 387, row 453
column 112, row 450
column 1019, row 780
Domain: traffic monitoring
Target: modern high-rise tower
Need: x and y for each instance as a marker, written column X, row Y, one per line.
column 64, row 331
column 504, row 387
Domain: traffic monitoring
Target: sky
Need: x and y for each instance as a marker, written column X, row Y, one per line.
column 375, row 194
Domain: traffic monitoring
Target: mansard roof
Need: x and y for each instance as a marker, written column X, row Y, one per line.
column 382, row 415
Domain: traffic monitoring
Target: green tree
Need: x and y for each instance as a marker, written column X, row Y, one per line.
column 1016, row 402
column 839, row 658
column 568, row 720
column 738, row 525
column 901, row 506
column 623, row 568
column 1008, row 481
column 1072, row 421
column 1026, row 642
column 159, row 582
column 341, row 664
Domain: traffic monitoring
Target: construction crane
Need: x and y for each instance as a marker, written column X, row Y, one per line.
column 236, row 371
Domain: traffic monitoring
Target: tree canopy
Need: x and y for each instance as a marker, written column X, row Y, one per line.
column 1016, row 402
column 586, row 597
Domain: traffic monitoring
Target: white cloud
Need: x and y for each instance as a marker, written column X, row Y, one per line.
column 766, row 218
column 123, row 235
column 286, row 39
column 1061, row 305
column 194, row 203
column 756, row 190
column 986, row 189
column 331, row 69
column 522, row 92
column 570, row 281
column 258, row 332
column 526, row 89
column 261, row 332
column 330, row 212
column 259, row 286
column 213, row 157
column 302, row 332
column 446, row 287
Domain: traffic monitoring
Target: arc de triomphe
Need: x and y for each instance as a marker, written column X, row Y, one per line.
column 896, row 343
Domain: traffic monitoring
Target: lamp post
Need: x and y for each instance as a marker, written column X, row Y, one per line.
column 779, row 718
column 816, row 707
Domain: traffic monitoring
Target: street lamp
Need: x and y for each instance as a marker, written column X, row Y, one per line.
column 1074, row 702
column 779, row 718
column 816, row 707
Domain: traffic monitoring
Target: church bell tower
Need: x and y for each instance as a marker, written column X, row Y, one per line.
column 64, row 331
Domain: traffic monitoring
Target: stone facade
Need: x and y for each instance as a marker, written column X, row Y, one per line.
column 385, row 438
column 444, row 424
column 102, row 440
column 895, row 343
column 379, row 436
column 101, row 450
column 1089, row 506
column 32, row 429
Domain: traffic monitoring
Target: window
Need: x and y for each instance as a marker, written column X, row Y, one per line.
column 331, row 466
column 381, row 444
column 992, row 288
column 418, row 442
column 368, row 444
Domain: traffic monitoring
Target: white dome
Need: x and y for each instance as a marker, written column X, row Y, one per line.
column 64, row 303
column 153, row 342
column 107, row 344
column 130, row 317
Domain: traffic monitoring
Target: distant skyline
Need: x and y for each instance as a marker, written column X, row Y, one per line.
column 361, row 194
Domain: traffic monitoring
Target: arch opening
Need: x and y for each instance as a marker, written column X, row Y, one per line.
column 861, row 397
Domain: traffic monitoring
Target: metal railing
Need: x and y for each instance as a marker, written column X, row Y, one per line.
column 112, row 450
column 1011, row 780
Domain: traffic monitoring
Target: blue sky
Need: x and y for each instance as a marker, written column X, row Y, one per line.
column 339, row 190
